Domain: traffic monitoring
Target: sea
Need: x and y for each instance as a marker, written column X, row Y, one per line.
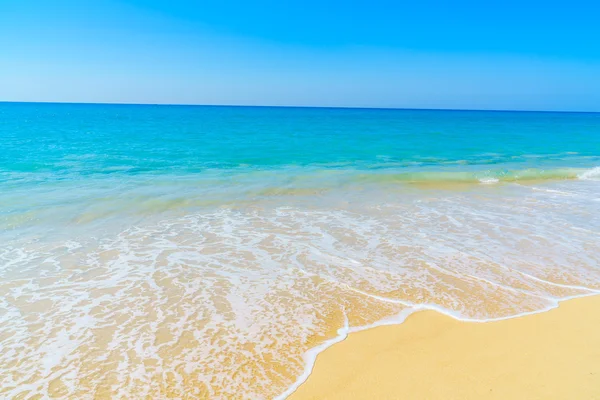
column 192, row 252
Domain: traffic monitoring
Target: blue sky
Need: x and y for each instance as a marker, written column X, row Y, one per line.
column 421, row 54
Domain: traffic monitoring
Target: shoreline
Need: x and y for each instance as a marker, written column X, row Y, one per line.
column 343, row 366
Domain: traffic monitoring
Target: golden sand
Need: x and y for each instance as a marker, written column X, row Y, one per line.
column 551, row 355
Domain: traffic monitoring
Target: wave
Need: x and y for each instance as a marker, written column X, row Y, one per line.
column 483, row 177
column 591, row 174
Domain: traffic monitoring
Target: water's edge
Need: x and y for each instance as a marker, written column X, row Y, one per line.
column 310, row 357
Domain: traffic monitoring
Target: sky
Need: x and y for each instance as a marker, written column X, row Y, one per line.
column 515, row 55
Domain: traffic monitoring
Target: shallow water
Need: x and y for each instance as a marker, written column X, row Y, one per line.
column 200, row 252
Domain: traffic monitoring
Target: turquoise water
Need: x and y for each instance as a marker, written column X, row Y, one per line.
column 172, row 156
column 65, row 140
column 156, row 249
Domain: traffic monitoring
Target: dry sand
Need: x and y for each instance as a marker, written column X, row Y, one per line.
column 551, row 355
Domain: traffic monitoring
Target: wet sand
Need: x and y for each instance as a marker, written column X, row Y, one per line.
column 551, row 355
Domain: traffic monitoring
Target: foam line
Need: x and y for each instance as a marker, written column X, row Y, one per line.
column 311, row 355
column 562, row 285
column 508, row 288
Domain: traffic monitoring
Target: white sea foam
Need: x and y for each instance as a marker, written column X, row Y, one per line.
column 591, row 174
column 489, row 181
column 237, row 301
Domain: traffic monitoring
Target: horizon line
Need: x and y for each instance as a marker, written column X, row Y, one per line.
column 295, row 106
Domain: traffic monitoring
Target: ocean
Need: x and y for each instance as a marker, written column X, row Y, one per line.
column 212, row 252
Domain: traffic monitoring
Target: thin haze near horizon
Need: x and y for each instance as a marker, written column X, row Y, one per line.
column 530, row 55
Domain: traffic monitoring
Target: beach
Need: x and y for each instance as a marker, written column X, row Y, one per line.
column 213, row 252
column 549, row 355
